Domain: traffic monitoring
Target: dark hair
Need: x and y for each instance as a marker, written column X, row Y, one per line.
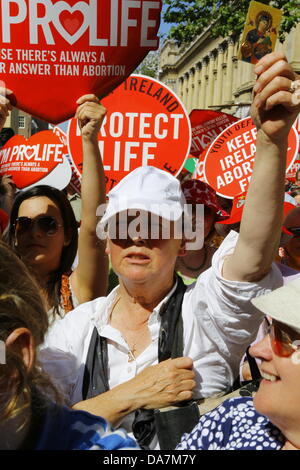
column 295, row 191
column 21, row 305
column 70, row 226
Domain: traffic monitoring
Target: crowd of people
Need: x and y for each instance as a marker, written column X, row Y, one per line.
column 174, row 331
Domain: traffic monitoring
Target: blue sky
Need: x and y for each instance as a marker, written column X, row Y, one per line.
column 164, row 27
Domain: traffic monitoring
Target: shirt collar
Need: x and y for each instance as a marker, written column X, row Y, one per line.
column 101, row 317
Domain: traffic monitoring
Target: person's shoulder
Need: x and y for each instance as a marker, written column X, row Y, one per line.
column 243, row 404
column 76, row 324
column 232, row 406
column 225, row 249
column 218, row 427
column 82, row 314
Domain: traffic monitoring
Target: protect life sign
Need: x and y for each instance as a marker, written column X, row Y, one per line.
column 53, row 51
column 146, row 124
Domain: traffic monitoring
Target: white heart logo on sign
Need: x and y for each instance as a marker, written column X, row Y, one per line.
column 59, row 8
column 29, row 152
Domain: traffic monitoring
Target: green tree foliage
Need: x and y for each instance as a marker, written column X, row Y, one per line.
column 191, row 17
column 149, row 66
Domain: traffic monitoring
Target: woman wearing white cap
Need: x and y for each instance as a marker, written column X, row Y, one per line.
column 104, row 354
column 271, row 420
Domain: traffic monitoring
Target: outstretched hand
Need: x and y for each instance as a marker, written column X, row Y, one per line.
column 274, row 108
column 7, row 185
column 5, row 105
column 90, row 114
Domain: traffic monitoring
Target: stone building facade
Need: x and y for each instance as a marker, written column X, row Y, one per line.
column 24, row 124
column 207, row 74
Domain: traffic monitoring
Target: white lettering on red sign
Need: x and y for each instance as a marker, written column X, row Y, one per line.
column 122, row 15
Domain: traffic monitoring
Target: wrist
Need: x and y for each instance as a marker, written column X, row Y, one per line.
column 90, row 138
column 265, row 139
column 126, row 399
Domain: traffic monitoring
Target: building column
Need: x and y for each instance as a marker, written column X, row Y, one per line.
column 188, row 90
column 219, row 82
column 180, row 88
column 203, row 87
column 185, row 89
column 229, row 73
column 211, row 80
column 198, row 82
column 191, row 95
column 293, row 49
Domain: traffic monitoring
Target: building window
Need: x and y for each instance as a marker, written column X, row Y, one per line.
column 21, row 122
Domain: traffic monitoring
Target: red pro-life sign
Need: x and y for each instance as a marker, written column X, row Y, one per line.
column 206, row 126
column 53, row 51
column 31, row 161
column 229, row 160
column 146, row 124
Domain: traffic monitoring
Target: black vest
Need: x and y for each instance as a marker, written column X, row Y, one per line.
column 170, row 345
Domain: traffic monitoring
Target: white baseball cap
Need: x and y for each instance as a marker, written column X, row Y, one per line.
column 282, row 304
column 148, row 189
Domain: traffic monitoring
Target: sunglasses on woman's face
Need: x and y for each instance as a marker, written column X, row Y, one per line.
column 281, row 342
column 45, row 223
column 295, row 231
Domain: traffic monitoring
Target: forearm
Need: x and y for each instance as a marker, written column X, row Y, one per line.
column 112, row 405
column 93, row 182
column 90, row 279
column 262, row 215
column 6, row 202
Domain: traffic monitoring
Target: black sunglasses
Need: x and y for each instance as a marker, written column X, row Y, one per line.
column 295, row 231
column 44, row 223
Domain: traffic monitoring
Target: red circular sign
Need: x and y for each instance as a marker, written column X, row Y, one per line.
column 229, row 160
column 55, row 51
column 146, row 124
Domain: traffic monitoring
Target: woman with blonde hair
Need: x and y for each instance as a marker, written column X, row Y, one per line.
column 28, row 419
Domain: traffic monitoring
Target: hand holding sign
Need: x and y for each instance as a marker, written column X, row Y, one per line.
column 273, row 110
column 90, row 114
column 274, row 114
column 5, row 104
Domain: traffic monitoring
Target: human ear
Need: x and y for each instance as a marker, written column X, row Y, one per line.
column 20, row 341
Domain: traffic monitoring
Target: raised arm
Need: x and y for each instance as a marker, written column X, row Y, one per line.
column 89, row 280
column 274, row 111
